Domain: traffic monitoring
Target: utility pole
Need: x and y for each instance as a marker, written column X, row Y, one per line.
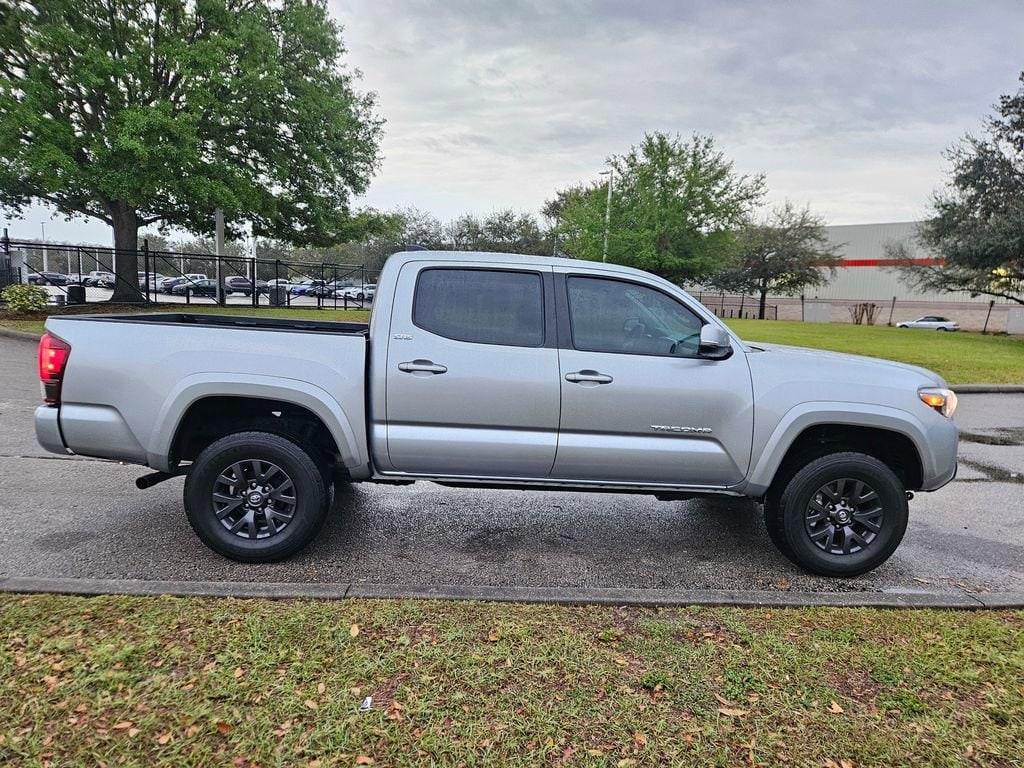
column 607, row 212
column 218, row 246
column 46, row 259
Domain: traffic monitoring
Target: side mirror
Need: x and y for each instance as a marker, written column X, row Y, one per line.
column 714, row 343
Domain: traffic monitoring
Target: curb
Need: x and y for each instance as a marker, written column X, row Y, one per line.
column 22, row 335
column 547, row 595
column 987, row 389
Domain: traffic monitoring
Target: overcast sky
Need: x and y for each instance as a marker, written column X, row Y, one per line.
column 846, row 106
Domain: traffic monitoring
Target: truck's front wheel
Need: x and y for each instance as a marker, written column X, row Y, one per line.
column 255, row 497
column 841, row 515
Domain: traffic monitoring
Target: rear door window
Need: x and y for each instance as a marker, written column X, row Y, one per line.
column 483, row 306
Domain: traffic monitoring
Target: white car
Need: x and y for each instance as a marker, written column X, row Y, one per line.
column 932, row 323
column 98, row 277
column 357, row 292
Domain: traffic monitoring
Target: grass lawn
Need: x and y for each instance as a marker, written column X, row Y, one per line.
column 960, row 358
column 195, row 682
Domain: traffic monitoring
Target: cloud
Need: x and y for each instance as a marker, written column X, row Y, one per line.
column 845, row 106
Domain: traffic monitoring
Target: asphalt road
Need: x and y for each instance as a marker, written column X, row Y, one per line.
column 73, row 517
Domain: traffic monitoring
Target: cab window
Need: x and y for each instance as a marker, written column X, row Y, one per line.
column 627, row 318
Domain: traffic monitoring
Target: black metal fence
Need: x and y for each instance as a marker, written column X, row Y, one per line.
column 743, row 307
column 78, row 274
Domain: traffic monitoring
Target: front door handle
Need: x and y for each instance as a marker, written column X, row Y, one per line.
column 422, row 366
column 587, row 375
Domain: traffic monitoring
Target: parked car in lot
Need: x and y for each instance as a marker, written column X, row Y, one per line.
column 357, row 292
column 307, row 287
column 150, row 279
column 239, row 284
column 99, row 278
column 500, row 370
column 198, row 288
column 74, row 278
column 931, row 322
column 167, row 284
column 47, row 278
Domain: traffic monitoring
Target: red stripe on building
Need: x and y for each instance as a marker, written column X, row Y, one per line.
column 931, row 262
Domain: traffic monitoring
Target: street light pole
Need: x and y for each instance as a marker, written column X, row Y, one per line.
column 607, row 212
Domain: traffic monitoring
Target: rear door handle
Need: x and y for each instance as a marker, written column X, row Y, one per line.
column 588, row 375
column 422, row 366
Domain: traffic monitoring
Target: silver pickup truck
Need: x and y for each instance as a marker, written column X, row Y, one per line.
column 501, row 371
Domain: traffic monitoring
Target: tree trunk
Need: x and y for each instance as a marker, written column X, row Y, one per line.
column 760, row 305
column 126, row 243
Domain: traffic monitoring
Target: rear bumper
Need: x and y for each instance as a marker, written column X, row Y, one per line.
column 48, row 434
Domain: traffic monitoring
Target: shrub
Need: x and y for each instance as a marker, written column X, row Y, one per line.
column 24, row 298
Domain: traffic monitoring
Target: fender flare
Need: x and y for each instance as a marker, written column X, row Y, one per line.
column 810, row 414
column 197, row 387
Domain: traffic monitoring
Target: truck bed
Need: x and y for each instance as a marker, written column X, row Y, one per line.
column 231, row 321
column 130, row 380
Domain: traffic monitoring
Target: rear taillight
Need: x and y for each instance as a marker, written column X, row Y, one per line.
column 53, row 358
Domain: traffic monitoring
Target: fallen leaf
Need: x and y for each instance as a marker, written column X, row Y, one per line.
column 133, row 732
column 238, row 673
column 834, row 707
column 493, row 636
column 364, row 760
column 124, row 725
column 163, row 738
column 354, row 632
column 626, row 762
column 224, row 728
column 732, row 712
column 311, row 704
column 640, row 739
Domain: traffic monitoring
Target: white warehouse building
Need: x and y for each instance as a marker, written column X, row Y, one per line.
column 867, row 274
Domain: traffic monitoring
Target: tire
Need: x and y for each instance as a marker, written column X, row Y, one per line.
column 944, row 330
column 846, row 488
column 255, row 455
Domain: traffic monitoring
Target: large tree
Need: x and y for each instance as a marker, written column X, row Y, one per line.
column 503, row 231
column 977, row 230
column 142, row 112
column 785, row 253
column 674, row 206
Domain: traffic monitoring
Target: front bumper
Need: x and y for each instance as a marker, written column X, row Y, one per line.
column 47, row 420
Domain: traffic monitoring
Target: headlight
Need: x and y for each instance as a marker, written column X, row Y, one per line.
column 942, row 400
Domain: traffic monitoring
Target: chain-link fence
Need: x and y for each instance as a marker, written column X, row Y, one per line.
column 78, row 274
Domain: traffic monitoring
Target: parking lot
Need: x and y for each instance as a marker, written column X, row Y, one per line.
column 237, row 299
column 73, row 517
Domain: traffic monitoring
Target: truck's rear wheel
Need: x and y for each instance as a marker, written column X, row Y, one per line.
column 255, row 497
column 842, row 515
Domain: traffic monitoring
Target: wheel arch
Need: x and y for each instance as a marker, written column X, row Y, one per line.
column 816, row 429
column 218, row 405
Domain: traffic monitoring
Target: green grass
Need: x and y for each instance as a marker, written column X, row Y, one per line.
column 960, row 357
column 35, row 325
column 195, row 682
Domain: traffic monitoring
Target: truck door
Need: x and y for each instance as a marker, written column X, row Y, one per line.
column 638, row 404
column 472, row 371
